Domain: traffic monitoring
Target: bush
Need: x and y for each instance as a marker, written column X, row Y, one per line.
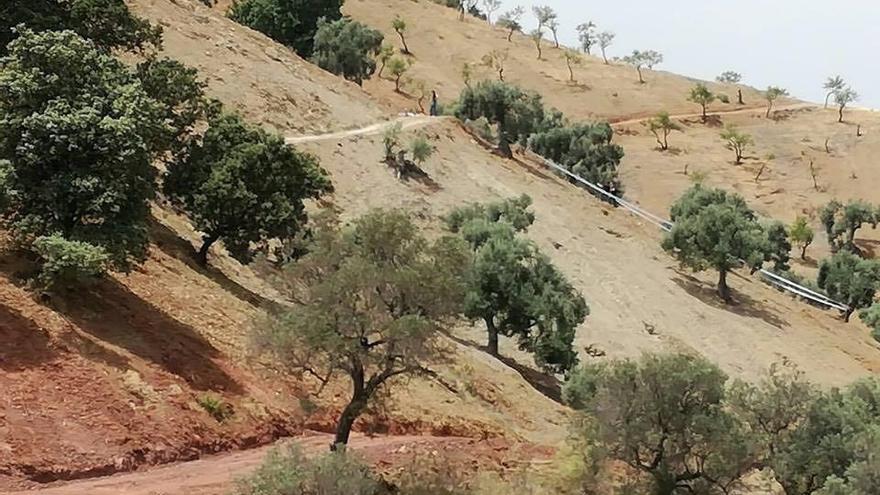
column 68, row 262
column 216, row 407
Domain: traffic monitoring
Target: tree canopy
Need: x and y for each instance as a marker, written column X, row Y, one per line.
column 244, row 186
column 585, row 150
column 510, row 21
column 701, row 95
column 841, row 222
column 849, row 279
column 516, row 112
column 801, row 234
column 661, row 125
column 292, row 23
column 347, row 48
column 640, row 59
column 729, row 77
column 375, row 295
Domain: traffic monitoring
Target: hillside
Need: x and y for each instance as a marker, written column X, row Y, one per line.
column 128, row 360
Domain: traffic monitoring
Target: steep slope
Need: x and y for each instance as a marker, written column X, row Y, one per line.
column 441, row 44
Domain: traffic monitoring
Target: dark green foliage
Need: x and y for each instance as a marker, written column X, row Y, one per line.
column 79, row 132
column 68, row 263
column 849, row 279
column 293, row 23
column 347, row 48
column 514, row 289
column 219, row 409
column 779, row 246
column 108, row 23
column 244, row 186
column 375, row 297
column 714, row 229
column 585, row 150
column 517, row 113
column 841, row 222
column 871, row 317
column 664, row 416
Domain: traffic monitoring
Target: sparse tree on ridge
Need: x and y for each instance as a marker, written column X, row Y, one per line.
column 538, row 39
column 801, row 235
column 832, row 85
column 572, row 58
column 544, row 15
column 772, row 94
column 554, row 28
column 491, row 6
column 843, row 97
column 495, row 60
column 510, row 21
column 587, row 36
column 737, row 141
column 399, row 26
column 375, row 297
column 661, row 125
column 701, row 95
column 715, row 229
column 849, row 279
column 731, row 77
column 640, row 59
column 605, row 39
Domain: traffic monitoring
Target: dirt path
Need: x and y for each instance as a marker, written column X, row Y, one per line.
column 753, row 109
column 214, row 475
column 406, row 122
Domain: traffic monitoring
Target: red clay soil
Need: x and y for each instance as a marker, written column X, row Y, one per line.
column 214, row 475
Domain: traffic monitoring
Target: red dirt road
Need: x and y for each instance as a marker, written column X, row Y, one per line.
column 215, row 475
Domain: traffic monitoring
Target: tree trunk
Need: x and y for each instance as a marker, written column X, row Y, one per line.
column 723, row 289
column 403, row 40
column 664, row 484
column 604, row 57
column 804, row 251
column 397, row 83
column 381, row 68
column 346, row 421
column 848, row 314
column 739, row 95
column 510, row 36
column 665, row 140
column 840, row 119
column 828, row 97
column 769, row 108
column 705, row 115
column 570, row 72
column 641, row 79
column 492, row 344
column 555, row 39
column 501, row 74
column 207, row 242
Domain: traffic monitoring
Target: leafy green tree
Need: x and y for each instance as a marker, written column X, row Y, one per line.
column 737, row 141
column 347, row 48
column 386, row 51
column 843, row 97
column 244, row 186
column 108, row 23
column 772, row 94
column 584, row 149
column 715, row 229
column 640, row 59
column 79, row 133
column 871, row 317
column 292, row 23
column 572, row 58
column 514, row 289
column 664, row 416
column 587, row 36
column 661, row 125
column 510, row 21
column 605, row 39
column 801, row 235
column 701, row 95
column 842, row 222
column 399, row 26
column 420, row 149
column 495, row 60
column 849, row 279
column 537, row 37
column 779, row 247
column 398, row 66
column 545, row 15
column 375, row 297
column 66, row 262
column 833, row 84
column 517, row 113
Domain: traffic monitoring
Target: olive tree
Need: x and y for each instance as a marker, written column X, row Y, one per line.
column 244, row 186
column 585, row 150
column 841, row 222
column 849, row 279
column 537, row 37
column 545, row 15
column 871, row 318
column 715, row 229
column 572, row 58
column 587, row 36
column 491, row 6
column 665, row 418
column 701, row 95
column 386, row 51
column 772, row 94
column 514, row 289
column 399, row 26
column 495, row 60
column 833, row 84
column 737, row 141
column 801, row 235
column 640, row 59
column 510, row 21
column 375, row 296
column 79, row 134
column 843, row 97
column 515, row 112
column 292, row 23
column 661, row 125
column 605, row 39
column 398, row 66
column 347, row 48
column 731, row 77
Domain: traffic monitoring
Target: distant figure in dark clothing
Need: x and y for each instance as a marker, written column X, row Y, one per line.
column 433, row 103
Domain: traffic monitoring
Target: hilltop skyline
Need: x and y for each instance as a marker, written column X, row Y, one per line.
column 801, row 32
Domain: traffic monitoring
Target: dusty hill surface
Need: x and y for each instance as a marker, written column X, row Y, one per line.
column 441, row 44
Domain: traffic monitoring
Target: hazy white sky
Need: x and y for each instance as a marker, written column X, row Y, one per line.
column 795, row 44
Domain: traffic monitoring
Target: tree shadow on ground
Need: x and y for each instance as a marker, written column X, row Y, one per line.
column 25, row 345
column 544, row 383
column 173, row 245
column 743, row 304
column 110, row 312
column 867, row 248
column 412, row 172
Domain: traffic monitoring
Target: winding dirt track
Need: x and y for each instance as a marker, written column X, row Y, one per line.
column 214, row 475
column 406, row 122
column 751, row 109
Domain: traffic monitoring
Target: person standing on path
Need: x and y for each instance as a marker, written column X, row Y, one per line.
column 433, row 103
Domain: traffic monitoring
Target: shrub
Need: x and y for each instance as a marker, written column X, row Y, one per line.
column 68, row 262
column 216, row 407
